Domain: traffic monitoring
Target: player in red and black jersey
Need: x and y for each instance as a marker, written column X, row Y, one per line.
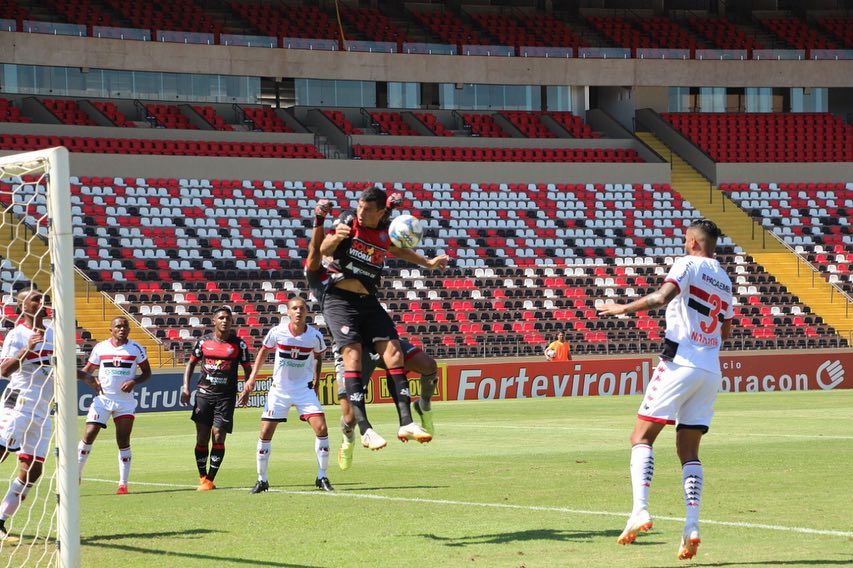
column 354, row 315
column 221, row 354
column 416, row 360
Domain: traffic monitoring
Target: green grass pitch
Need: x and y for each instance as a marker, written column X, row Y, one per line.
column 513, row 483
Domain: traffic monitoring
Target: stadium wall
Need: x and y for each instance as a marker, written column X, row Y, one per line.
column 486, row 380
column 65, row 51
column 120, row 165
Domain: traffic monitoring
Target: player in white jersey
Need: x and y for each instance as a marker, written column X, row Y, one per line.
column 698, row 296
column 298, row 363
column 117, row 360
column 25, row 415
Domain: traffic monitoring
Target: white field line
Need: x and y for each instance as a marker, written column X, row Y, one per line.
column 367, row 496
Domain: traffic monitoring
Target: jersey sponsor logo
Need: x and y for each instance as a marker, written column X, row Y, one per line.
column 366, row 252
column 716, row 283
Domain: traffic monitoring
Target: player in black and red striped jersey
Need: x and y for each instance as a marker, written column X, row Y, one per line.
column 415, row 359
column 354, row 316
column 221, row 355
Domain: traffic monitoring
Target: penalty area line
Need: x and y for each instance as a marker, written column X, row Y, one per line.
column 540, row 508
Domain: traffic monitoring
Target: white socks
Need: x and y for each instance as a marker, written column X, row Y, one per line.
column 263, row 458
column 83, row 451
column 124, row 457
column 692, row 478
column 13, row 499
column 321, row 446
column 642, row 470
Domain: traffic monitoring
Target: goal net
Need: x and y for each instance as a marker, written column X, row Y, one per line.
column 37, row 254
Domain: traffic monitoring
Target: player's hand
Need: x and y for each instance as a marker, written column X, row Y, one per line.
column 611, row 309
column 439, row 261
column 394, row 200
column 185, row 396
column 342, row 231
column 323, row 208
column 35, row 339
column 127, row 386
column 243, row 398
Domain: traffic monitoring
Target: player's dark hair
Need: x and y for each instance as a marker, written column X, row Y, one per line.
column 375, row 195
column 223, row 309
column 708, row 228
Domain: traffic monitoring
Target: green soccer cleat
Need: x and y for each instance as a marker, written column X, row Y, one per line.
column 426, row 418
column 345, row 454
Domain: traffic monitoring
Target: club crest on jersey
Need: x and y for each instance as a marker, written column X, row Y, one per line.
column 345, row 329
column 294, row 353
column 117, row 361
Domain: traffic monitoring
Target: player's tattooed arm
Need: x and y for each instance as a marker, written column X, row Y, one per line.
column 660, row 297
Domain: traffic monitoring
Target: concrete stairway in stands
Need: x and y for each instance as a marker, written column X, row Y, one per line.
column 777, row 259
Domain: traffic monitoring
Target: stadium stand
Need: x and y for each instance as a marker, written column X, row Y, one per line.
column 454, row 154
column 264, row 119
column 287, row 20
column 109, row 110
column 341, row 121
column 529, row 258
column 67, row 111
column 167, row 116
column 160, row 147
column 798, row 34
column 208, row 113
column 391, row 123
column 432, row 123
column 812, row 218
column 724, row 34
column 763, row 137
column 11, row 113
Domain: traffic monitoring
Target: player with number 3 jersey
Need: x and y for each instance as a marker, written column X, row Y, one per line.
column 697, row 293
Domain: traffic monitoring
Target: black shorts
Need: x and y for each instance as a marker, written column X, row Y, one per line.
column 215, row 410
column 356, row 318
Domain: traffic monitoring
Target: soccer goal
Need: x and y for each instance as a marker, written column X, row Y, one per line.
column 37, row 253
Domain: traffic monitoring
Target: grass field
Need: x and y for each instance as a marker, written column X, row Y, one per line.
column 529, row 483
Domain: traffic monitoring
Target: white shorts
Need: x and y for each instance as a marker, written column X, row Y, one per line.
column 104, row 407
column 680, row 395
column 279, row 402
column 26, row 427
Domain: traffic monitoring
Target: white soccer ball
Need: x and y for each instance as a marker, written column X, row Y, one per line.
column 405, row 231
column 549, row 354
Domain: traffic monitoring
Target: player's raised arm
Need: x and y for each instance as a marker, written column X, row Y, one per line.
column 343, row 229
column 660, row 297
column 315, row 257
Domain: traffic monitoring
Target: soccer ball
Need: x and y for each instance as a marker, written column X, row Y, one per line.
column 549, row 354
column 405, row 231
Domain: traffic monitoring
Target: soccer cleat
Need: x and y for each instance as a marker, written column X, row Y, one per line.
column 122, row 490
column 4, row 534
column 426, row 418
column 373, row 441
column 639, row 522
column 260, row 487
column 412, row 431
column 345, row 454
column 689, row 543
column 324, row 484
column 205, row 485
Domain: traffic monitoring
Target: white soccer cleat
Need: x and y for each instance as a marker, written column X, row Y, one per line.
column 373, row 441
column 640, row 521
column 413, row 432
column 689, row 543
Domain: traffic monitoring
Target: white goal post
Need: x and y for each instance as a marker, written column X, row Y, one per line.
column 36, row 204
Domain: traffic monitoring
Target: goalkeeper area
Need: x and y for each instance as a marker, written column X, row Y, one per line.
column 532, row 482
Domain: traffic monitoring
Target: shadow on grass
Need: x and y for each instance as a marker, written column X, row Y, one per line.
column 522, row 536
column 809, row 562
column 103, row 541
